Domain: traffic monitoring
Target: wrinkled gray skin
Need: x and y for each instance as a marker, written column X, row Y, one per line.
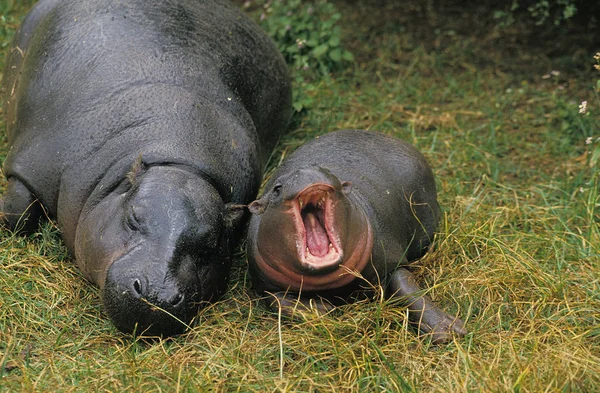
column 373, row 199
column 141, row 126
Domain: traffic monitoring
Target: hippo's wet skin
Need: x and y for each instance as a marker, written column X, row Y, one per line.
column 142, row 128
column 347, row 202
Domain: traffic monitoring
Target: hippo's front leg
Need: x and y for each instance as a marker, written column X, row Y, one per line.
column 422, row 311
column 19, row 208
column 291, row 304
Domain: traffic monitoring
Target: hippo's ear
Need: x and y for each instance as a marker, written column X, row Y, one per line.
column 257, row 207
column 346, row 187
column 232, row 215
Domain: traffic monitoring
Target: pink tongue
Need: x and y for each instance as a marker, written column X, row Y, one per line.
column 317, row 240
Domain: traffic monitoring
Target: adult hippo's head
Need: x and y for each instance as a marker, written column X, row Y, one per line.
column 307, row 233
column 157, row 247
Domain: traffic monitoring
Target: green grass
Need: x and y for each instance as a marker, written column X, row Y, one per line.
column 517, row 256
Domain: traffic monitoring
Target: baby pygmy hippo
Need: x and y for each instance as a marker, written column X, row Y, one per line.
column 348, row 204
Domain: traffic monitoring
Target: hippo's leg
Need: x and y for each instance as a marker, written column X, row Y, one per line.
column 19, row 208
column 291, row 304
column 422, row 311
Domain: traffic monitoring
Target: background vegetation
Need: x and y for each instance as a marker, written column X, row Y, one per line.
column 498, row 112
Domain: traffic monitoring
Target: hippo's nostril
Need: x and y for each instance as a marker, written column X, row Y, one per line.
column 137, row 287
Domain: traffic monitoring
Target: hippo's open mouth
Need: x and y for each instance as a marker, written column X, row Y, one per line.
column 319, row 247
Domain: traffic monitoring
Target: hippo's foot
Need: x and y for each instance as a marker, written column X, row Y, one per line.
column 292, row 305
column 19, row 209
column 429, row 318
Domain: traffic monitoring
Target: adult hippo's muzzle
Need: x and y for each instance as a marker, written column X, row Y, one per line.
column 156, row 248
column 151, row 294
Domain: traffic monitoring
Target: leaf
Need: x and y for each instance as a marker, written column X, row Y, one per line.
column 320, row 50
column 312, row 42
column 298, row 106
column 334, row 41
column 336, row 55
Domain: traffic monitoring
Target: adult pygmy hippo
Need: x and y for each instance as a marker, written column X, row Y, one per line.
column 142, row 127
column 348, row 202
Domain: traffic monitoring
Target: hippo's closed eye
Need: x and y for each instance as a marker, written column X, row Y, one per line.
column 132, row 219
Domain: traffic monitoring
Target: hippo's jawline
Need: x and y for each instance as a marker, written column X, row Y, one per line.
column 318, row 243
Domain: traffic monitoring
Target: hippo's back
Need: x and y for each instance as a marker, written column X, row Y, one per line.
column 91, row 70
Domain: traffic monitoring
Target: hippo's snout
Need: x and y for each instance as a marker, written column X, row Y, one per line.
column 170, row 297
column 147, row 302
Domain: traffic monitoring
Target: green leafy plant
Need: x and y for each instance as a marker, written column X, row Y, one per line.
column 542, row 11
column 309, row 37
column 307, row 33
